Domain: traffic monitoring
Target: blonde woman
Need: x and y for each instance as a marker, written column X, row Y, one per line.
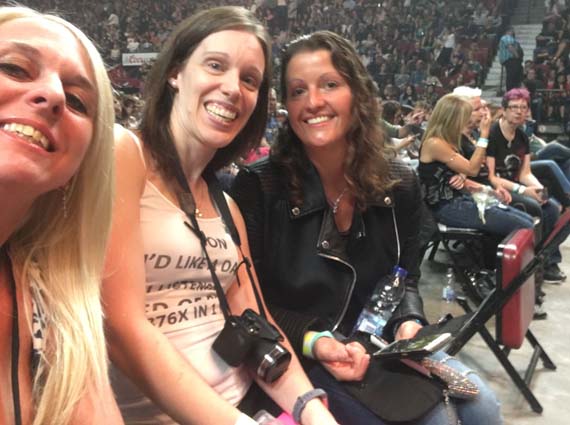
column 443, row 171
column 56, row 180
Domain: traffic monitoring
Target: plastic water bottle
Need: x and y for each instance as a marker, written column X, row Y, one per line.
column 449, row 292
column 382, row 303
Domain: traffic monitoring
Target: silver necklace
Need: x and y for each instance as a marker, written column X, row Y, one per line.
column 334, row 204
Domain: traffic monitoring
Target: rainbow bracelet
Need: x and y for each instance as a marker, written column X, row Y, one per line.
column 309, row 340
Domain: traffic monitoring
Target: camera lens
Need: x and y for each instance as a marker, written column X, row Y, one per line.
column 270, row 361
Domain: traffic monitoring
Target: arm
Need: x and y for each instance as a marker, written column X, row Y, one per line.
column 137, row 347
column 404, row 321
column 436, row 149
column 400, row 144
column 526, row 177
column 499, row 182
column 294, row 382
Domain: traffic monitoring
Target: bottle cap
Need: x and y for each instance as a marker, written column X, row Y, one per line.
column 399, row 271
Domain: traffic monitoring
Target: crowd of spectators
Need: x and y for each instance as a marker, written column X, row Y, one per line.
column 547, row 75
column 415, row 49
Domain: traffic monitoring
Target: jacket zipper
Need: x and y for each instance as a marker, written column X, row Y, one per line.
column 351, row 288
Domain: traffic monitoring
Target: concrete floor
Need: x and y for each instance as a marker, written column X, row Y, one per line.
column 551, row 388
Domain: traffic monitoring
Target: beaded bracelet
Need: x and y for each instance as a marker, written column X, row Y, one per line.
column 309, row 340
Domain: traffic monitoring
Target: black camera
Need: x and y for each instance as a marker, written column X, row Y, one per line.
column 251, row 340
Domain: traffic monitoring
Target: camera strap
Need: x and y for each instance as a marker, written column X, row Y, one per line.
column 15, row 361
column 188, row 205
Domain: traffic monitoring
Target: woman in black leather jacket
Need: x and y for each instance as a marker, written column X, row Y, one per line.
column 327, row 216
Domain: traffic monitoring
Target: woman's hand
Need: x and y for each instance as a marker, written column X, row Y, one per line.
column 534, row 192
column 485, row 125
column 346, row 362
column 503, row 195
column 457, row 181
column 408, row 330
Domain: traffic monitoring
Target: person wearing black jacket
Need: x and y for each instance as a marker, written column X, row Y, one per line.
column 327, row 216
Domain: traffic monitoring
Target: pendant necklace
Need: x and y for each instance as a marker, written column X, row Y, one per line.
column 334, row 205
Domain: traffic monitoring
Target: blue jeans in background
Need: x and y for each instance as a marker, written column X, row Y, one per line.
column 558, row 153
column 500, row 220
column 551, row 176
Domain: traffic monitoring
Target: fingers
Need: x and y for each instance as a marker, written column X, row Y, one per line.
column 330, row 350
column 352, row 370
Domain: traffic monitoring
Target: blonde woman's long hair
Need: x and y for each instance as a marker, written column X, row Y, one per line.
column 448, row 119
column 64, row 256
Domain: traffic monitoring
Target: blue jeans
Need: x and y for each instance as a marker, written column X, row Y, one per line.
column 499, row 220
column 548, row 214
column 556, row 152
column 550, row 175
column 483, row 410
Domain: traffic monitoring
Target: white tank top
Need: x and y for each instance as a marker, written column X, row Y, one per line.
column 181, row 300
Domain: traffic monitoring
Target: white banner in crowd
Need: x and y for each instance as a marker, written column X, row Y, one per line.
column 138, row 59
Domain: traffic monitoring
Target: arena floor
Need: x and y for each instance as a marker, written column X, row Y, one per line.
column 551, row 388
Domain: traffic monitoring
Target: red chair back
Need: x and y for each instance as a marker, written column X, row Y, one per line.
column 513, row 320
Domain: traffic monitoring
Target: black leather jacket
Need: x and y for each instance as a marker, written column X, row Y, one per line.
column 310, row 277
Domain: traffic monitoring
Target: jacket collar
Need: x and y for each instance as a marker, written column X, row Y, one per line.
column 314, row 198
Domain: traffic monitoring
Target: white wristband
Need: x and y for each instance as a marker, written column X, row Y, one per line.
column 482, row 142
column 243, row 419
column 521, row 189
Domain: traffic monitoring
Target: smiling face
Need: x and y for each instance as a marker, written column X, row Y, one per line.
column 217, row 89
column 47, row 104
column 319, row 100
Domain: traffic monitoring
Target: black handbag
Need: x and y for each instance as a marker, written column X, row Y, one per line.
column 386, row 391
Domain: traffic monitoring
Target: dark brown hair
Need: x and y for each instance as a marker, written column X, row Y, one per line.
column 155, row 126
column 366, row 168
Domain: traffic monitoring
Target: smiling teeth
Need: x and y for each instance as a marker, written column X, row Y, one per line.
column 30, row 134
column 317, row 120
column 220, row 112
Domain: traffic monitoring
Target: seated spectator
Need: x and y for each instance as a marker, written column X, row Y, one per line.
column 471, row 131
column 508, row 161
column 206, row 105
column 329, row 182
column 408, row 97
column 443, row 171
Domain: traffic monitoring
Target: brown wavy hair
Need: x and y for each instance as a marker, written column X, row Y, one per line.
column 366, row 167
column 155, row 126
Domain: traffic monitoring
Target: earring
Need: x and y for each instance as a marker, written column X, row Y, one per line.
column 173, row 83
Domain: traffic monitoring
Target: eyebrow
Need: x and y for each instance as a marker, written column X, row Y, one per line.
column 32, row 52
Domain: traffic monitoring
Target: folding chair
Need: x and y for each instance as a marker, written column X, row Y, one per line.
column 512, row 303
column 434, row 234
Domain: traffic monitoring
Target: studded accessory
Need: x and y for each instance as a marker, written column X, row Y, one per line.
column 458, row 385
